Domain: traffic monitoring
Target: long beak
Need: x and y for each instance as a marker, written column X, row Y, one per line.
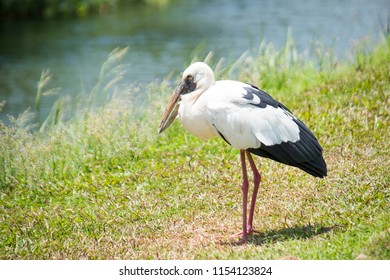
column 172, row 108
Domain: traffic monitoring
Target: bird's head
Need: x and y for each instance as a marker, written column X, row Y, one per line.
column 197, row 78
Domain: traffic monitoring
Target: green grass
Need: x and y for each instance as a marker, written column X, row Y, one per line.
column 95, row 181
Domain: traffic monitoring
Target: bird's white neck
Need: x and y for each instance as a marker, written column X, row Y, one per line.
column 193, row 116
column 191, row 97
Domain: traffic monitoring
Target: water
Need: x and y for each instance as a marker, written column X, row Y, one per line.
column 162, row 40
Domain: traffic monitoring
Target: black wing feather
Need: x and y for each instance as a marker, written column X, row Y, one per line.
column 305, row 153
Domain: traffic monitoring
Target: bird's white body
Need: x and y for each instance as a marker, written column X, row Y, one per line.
column 222, row 108
column 249, row 120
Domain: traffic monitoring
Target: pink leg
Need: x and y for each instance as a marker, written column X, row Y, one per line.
column 247, row 228
column 256, row 183
column 244, row 188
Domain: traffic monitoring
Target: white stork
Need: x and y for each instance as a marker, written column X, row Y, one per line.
column 248, row 119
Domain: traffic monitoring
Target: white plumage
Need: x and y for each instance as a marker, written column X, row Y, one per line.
column 248, row 119
column 243, row 124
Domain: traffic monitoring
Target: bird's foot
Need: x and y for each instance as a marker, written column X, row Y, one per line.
column 249, row 230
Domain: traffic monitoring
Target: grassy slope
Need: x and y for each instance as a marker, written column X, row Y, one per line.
column 103, row 185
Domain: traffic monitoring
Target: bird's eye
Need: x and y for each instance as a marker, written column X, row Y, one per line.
column 189, row 77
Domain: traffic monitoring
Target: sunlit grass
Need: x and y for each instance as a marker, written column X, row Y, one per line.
column 95, row 181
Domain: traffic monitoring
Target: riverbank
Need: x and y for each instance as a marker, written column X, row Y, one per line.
column 95, row 181
column 64, row 9
column 160, row 41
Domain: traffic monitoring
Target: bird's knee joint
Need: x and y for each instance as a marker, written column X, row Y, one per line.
column 256, row 179
column 245, row 187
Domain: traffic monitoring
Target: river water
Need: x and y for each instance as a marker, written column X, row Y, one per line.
column 162, row 40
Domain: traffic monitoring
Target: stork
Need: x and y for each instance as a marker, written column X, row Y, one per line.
column 249, row 120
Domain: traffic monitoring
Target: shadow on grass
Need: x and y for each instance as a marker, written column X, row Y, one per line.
column 291, row 233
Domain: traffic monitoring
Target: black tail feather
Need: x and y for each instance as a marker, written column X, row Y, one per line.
column 316, row 167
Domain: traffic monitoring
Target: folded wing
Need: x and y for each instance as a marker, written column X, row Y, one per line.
column 250, row 119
